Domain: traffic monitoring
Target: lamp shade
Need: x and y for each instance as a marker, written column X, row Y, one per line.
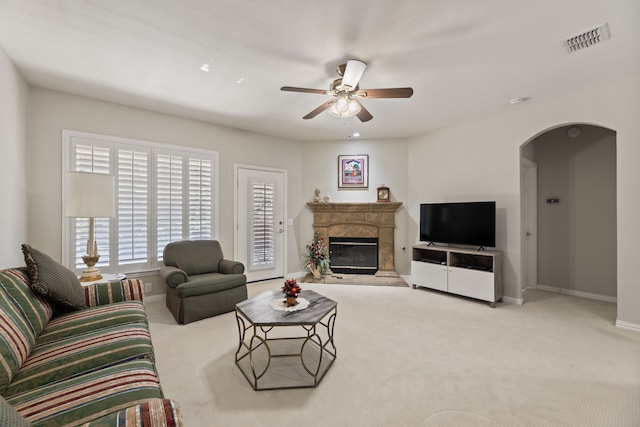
column 90, row 195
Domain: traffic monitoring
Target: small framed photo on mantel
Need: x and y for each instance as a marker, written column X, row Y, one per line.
column 353, row 171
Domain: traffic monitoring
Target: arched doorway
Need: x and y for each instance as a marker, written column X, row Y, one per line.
column 574, row 211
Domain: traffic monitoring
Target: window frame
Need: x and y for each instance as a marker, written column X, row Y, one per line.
column 114, row 143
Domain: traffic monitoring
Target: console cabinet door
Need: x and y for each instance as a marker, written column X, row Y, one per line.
column 472, row 283
column 429, row 275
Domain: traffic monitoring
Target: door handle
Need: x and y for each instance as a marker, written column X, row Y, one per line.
column 281, row 231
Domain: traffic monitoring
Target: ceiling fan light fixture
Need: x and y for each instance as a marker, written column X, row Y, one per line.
column 346, row 93
column 344, row 107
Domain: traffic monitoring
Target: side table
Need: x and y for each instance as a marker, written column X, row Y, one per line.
column 106, row 277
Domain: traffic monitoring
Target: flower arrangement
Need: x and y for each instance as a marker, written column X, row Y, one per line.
column 291, row 291
column 291, row 288
column 317, row 255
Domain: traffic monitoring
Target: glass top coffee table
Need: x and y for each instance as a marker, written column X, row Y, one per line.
column 285, row 349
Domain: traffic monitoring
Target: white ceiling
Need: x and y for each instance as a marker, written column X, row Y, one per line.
column 464, row 59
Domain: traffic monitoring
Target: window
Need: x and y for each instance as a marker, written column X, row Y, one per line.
column 164, row 193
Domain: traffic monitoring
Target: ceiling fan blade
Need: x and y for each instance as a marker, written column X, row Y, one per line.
column 353, row 72
column 320, row 109
column 398, row 92
column 302, row 89
column 364, row 115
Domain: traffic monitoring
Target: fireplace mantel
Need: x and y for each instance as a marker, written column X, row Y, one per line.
column 348, row 219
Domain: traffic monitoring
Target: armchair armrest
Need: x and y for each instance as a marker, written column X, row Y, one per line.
column 116, row 291
column 173, row 276
column 152, row 413
column 227, row 266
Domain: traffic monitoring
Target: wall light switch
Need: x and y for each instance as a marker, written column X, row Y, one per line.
column 290, row 221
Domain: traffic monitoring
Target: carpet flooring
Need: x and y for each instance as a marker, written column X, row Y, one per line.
column 412, row 357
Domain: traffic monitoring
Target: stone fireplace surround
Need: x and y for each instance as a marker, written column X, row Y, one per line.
column 360, row 220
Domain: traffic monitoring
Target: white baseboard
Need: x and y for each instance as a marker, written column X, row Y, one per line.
column 628, row 325
column 513, row 300
column 155, row 297
column 576, row 293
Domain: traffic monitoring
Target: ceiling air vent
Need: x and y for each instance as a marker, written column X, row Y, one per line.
column 588, row 38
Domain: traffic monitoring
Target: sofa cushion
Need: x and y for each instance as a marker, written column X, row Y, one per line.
column 53, row 280
column 87, row 397
column 9, row 417
column 93, row 319
column 203, row 284
column 81, row 354
column 36, row 308
column 115, row 291
column 157, row 412
column 16, row 338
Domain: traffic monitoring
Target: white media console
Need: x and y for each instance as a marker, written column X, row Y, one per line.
column 468, row 272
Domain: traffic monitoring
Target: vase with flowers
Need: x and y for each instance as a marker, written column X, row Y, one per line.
column 291, row 291
column 317, row 257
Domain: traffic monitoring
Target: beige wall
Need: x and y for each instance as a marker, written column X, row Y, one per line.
column 14, row 171
column 387, row 165
column 481, row 160
column 577, row 236
column 476, row 160
column 51, row 112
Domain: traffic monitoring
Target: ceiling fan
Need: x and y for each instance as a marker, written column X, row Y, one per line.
column 346, row 93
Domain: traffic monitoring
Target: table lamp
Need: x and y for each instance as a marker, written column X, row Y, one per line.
column 90, row 195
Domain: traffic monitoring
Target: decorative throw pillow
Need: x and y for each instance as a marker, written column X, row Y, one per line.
column 53, row 280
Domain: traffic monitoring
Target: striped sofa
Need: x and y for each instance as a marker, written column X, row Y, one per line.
column 90, row 367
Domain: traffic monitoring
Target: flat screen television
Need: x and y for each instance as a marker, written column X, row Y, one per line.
column 462, row 223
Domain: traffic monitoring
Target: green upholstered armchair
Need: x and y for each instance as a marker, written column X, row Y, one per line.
column 200, row 282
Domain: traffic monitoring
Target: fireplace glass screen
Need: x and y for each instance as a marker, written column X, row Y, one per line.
column 353, row 255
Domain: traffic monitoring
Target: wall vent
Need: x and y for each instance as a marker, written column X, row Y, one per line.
column 588, row 38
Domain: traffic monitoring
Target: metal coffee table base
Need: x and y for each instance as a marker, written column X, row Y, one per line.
column 288, row 355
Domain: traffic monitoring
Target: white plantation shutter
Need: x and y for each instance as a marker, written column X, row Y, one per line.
column 170, row 203
column 93, row 157
column 200, row 202
column 263, row 222
column 164, row 194
column 184, row 191
column 133, row 205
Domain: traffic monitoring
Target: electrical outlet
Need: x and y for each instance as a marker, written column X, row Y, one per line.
column 148, row 287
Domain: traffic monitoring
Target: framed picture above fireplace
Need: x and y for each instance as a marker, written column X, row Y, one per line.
column 353, row 171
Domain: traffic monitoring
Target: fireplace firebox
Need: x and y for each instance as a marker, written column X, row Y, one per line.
column 354, row 255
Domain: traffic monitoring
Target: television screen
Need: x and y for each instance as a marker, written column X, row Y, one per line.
column 464, row 223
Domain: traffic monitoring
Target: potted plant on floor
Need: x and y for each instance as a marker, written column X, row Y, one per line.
column 317, row 257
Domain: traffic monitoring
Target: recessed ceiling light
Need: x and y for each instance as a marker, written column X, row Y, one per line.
column 240, row 80
column 516, row 101
column 356, row 134
column 205, row 68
